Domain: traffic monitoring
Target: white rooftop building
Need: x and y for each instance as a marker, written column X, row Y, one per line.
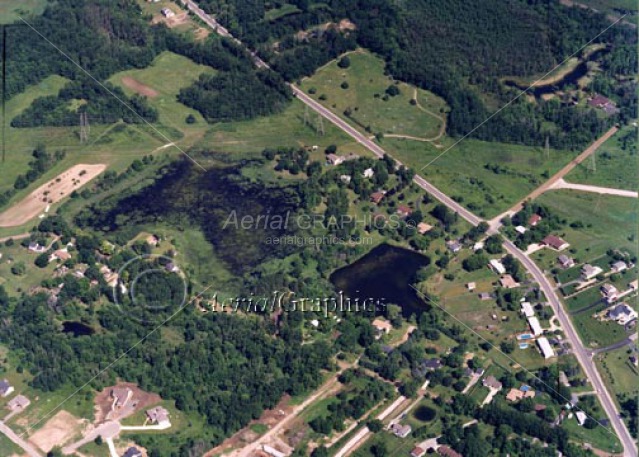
column 527, row 309
column 545, row 348
column 535, row 326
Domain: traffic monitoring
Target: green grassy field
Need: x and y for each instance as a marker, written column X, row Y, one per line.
column 616, row 164
column 609, row 222
column 365, row 98
column 618, row 373
column 11, row 10
column 461, row 171
column 628, row 5
column 595, row 333
column 161, row 77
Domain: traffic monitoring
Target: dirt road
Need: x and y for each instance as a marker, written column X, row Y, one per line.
column 561, row 184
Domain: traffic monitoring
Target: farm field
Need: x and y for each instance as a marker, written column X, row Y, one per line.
column 612, row 163
column 10, row 10
column 618, row 373
column 465, row 171
column 609, row 222
column 361, row 89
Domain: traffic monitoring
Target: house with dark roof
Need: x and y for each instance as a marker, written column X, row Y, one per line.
column 6, row 389
column 404, row 211
column 534, row 220
column 565, row 261
column 401, row 431
column 622, row 314
column 555, row 242
column 604, row 104
column 431, row 364
column 447, row 451
column 132, row 452
column 491, row 382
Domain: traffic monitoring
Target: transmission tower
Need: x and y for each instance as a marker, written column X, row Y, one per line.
column 547, row 148
column 593, row 162
column 306, row 117
column 84, row 127
column 320, row 124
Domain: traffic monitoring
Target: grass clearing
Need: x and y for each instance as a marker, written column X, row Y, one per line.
column 462, row 173
column 11, row 10
column 612, row 161
column 595, row 333
column 620, row 376
column 365, row 97
column 610, row 222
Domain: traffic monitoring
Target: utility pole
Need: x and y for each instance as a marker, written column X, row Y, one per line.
column 320, row 125
column 547, row 147
column 84, row 127
column 593, row 162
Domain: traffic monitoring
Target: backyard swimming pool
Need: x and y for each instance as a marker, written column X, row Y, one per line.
column 525, row 336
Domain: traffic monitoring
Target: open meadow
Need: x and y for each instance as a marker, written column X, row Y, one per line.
column 363, row 89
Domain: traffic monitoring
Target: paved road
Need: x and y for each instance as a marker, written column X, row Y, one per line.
column 583, row 357
column 562, row 184
column 26, row 447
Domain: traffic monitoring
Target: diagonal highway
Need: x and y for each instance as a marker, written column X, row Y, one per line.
column 582, row 355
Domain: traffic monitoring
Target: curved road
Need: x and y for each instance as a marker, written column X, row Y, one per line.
column 582, row 355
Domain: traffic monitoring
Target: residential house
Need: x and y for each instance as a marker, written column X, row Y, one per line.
column 121, row 396
column 346, row 179
column 588, row 272
column 431, row 364
column 368, row 173
column 401, row 431
column 527, row 309
column 545, row 348
column 35, row 247
column 404, row 211
column 6, row 389
column 447, row 451
column 634, row 285
column 132, row 452
column 497, row 266
column 417, row 452
column 534, row 220
column 152, row 240
column 377, row 197
column 554, row 242
column 334, row 159
column 519, row 394
column 423, row 227
column 619, row 266
column 535, row 326
column 609, row 292
column 604, row 104
column 158, row 416
column 382, row 327
column 272, row 451
column 565, row 261
column 485, row 296
column 60, row 254
column 20, row 402
column 167, row 12
column 491, row 382
column 520, row 229
column 581, row 417
column 479, row 245
column 454, row 246
column 622, row 314
column 508, row 282
column 172, row 268
column 471, row 286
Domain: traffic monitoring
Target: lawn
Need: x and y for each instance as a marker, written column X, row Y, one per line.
column 602, row 438
column 463, row 170
column 613, row 161
column 10, row 10
column 609, row 222
column 618, row 373
column 365, row 97
column 595, row 333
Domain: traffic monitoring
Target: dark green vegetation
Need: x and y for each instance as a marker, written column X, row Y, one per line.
column 469, row 48
column 123, row 42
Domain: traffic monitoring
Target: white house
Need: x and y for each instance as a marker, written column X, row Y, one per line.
column 527, row 309
column 535, row 326
column 497, row 266
column 545, row 348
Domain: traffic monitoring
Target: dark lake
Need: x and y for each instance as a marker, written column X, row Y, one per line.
column 384, row 273
column 569, row 79
column 77, row 328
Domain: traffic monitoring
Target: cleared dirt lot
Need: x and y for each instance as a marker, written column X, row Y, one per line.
column 59, row 429
column 138, row 87
column 51, row 192
column 139, row 400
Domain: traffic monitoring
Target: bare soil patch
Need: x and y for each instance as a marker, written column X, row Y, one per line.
column 51, row 192
column 138, row 87
column 57, row 431
column 139, row 400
